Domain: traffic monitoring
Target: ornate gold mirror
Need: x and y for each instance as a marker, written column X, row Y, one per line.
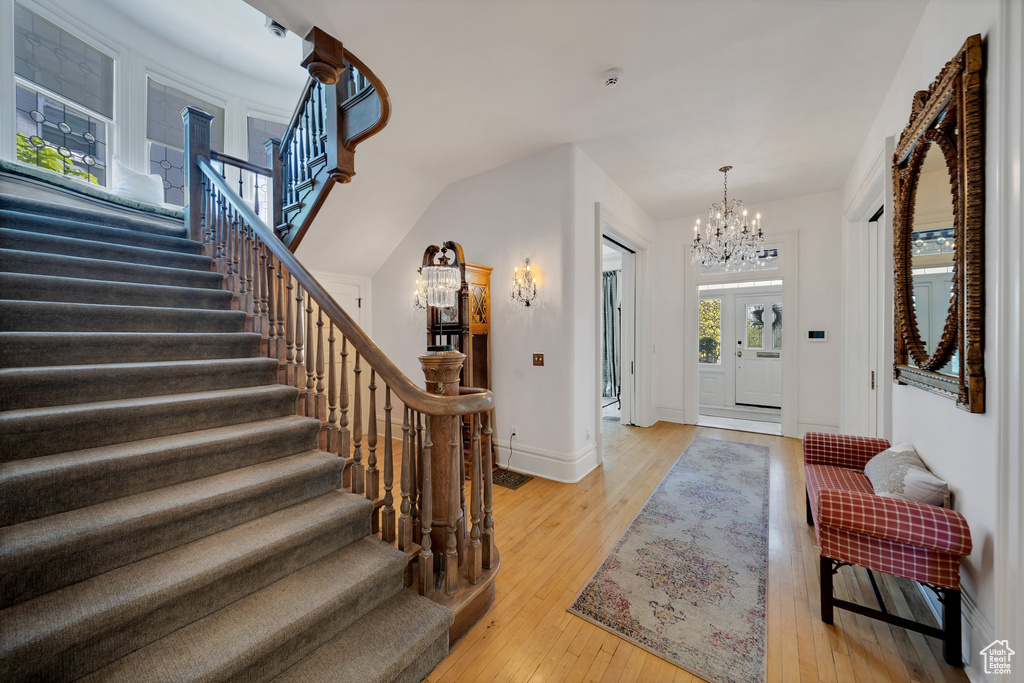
column 938, row 240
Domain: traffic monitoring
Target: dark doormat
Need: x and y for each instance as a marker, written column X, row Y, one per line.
column 509, row 479
column 611, row 418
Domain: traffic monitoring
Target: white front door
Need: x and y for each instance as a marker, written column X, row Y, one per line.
column 758, row 350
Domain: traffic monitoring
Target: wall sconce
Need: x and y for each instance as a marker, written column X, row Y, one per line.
column 419, row 299
column 524, row 284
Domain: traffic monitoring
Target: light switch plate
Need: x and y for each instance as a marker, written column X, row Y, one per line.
column 538, row 359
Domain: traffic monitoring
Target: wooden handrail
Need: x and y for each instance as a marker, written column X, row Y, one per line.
column 240, row 163
column 410, row 394
column 382, row 94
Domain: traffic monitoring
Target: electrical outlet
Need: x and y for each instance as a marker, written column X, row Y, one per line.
column 538, row 359
column 515, row 432
column 588, row 433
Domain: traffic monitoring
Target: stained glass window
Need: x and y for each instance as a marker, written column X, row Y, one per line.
column 257, row 133
column 59, row 137
column 53, row 59
column 166, row 133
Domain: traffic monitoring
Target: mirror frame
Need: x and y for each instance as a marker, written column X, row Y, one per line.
column 948, row 115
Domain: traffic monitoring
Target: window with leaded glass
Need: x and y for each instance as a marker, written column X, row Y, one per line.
column 166, row 134
column 64, row 99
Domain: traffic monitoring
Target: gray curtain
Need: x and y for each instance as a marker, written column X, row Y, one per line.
column 610, row 333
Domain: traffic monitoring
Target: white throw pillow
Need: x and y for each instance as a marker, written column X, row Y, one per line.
column 147, row 188
column 899, row 472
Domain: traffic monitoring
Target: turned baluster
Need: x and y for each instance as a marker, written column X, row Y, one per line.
column 416, row 497
column 308, row 131
column 489, row 557
column 426, row 563
column 357, row 430
column 451, row 553
column 269, row 283
column 280, row 349
column 289, row 334
column 332, row 394
column 256, row 292
column 320, row 117
column 345, row 440
column 372, row 476
column 387, row 513
column 256, row 194
column 405, row 522
column 308, row 395
column 297, row 372
column 236, row 247
column 475, row 553
column 320, row 402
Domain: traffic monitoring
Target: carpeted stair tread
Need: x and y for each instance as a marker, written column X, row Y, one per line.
column 34, row 387
column 68, row 633
column 117, row 218
column 56, row 316
column 71, row 246
column 30, row 349
column 51, row 484
column 35, row 287
column 48, row 553
column 97, row 232
column 398, row 641
column 62, row 265
column 265, row 632
column 31, row 432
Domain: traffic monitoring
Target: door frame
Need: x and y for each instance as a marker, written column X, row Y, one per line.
column 606, row 222
column 788, row 245
column 627, row 330
column 862, row 350
column 739, row 302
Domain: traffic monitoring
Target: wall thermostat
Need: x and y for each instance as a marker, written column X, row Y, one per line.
column 817, row 335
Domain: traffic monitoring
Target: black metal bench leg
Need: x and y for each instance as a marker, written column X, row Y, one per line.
column 951, row 639
column 825, row 570
column 810, row 517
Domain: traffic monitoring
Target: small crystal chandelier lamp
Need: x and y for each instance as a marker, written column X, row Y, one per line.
column 440, row 282
column 728, row 236
column 524, row 284
column 419, row 298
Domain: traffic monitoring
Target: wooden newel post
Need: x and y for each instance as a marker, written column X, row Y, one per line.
column 441, row 369
column 197, row 144
column 275, row 194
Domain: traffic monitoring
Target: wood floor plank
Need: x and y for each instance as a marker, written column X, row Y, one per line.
column 553, row 536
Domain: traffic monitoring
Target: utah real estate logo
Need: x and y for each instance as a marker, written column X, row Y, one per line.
column 997, row 656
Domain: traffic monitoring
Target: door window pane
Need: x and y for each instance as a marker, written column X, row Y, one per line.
column 54, row 59
column 755, row 326
column 709, row 332
column 777, row 326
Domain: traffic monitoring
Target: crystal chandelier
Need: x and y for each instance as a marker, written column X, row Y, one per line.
column 441, row 283
column 728, row 236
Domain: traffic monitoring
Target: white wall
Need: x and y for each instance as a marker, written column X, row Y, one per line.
column 817, row 221
column 961, row 447
column 541, row 207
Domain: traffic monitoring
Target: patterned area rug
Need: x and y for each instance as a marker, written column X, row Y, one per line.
column 688, row 579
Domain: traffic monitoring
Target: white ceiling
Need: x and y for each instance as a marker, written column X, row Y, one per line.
column 783, row 90
column 227, row 32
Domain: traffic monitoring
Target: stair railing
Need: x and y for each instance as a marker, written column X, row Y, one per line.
column 319, row 348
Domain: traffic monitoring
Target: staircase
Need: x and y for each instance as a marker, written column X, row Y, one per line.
column 166, row 514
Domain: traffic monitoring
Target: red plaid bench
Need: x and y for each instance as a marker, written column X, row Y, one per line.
column 853, row 526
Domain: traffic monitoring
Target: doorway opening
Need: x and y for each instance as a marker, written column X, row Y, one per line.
column 740, row 355
column 618, row 332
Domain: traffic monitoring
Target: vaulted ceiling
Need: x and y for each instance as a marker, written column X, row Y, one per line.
column 783, row 90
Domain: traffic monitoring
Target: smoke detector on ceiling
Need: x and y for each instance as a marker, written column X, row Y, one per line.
column 612, row 77
column 276, row 29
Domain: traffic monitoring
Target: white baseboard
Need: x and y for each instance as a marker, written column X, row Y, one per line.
column 676, row 415
column 976, row 627
column 804, row 427
column 567, row 468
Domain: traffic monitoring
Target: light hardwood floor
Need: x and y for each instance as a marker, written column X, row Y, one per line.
column 553, row 536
